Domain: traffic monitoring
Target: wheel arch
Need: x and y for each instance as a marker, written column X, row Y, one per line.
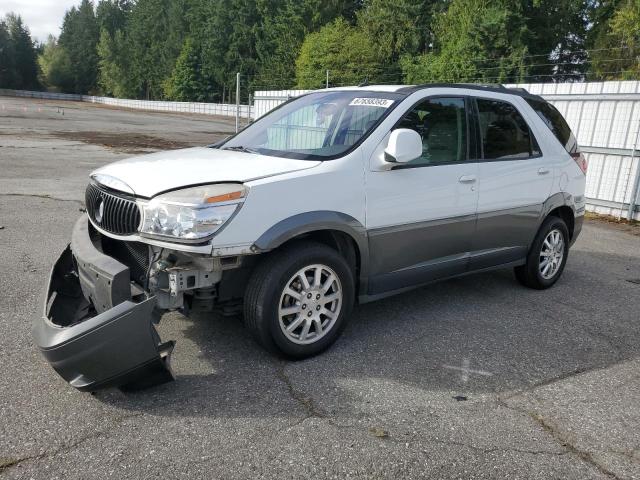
column 335, row 229
column 560, row 205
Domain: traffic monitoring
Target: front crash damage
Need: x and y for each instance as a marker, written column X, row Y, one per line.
column 97, row 329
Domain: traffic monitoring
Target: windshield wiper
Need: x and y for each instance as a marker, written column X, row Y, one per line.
column 240, row 148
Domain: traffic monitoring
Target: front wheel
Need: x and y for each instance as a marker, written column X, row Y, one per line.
column 547, row 256
column 298, row 299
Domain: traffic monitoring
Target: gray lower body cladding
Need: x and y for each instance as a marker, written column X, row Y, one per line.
column 92, row 332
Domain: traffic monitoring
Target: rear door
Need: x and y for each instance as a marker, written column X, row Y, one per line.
column 514, row 181
column 421, row 215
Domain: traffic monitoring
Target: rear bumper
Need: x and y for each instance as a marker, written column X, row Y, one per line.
column 91, row 331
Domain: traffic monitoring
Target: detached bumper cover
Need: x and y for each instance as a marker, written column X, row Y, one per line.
column 91, row 331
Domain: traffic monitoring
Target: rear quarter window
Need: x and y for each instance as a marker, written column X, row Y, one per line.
column 556, row 123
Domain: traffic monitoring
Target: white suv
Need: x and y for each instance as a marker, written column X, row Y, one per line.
column 337, row 197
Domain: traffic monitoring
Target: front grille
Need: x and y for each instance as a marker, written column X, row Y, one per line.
column 134, row 255
column 116, row 214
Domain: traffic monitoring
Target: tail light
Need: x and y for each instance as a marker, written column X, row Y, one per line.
column 580, row 160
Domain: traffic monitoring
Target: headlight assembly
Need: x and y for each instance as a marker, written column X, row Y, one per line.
column 193, row 214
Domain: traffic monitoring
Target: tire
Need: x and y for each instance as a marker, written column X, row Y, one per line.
column 536, row 273
column 267, row 300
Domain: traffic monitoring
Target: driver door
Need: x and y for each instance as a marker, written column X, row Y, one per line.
column 421, row 216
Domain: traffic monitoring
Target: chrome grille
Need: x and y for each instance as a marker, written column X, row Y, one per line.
column 113, row 213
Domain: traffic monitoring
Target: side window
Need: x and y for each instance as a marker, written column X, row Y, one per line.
column 442, row 125
column 504, row 133
column 556, row 123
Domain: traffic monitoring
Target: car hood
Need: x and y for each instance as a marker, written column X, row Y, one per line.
column 151, row 174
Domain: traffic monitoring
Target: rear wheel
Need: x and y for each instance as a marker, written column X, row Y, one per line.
column 298, row 299
column 547, row 256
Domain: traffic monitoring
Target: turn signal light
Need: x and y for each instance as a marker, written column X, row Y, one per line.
column 225, row 197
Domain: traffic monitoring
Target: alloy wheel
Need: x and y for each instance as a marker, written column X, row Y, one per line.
column 310, row 304
column 551, row 254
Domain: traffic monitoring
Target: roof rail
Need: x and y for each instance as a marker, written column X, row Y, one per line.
column 499, row 88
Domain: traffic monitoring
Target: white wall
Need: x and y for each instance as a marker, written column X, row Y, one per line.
column 223, row 109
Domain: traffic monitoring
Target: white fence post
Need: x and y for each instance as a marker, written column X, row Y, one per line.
column 633, row 200
column 237, row 102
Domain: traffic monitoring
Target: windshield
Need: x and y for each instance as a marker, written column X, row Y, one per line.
column 318, row 126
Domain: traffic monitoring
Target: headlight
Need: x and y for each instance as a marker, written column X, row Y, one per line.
column 191, row 214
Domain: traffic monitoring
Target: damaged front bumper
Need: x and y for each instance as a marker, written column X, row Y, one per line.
column 97, row 329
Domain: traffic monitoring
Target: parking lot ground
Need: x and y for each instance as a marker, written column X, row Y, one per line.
column 476, row 377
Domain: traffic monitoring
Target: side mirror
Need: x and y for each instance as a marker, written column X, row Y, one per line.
column 404, row 145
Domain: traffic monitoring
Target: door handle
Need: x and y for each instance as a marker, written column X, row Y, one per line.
column 543, row 171
column 467, row 179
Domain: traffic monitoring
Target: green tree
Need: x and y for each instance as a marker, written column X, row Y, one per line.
column 396, row 26
column 113, row 66
column 344, row 50
column 187, row 82
column 210, row 28
column 55, row 67
column 154, row 35
column 477, row 41
column 111, row 15
column 283, row 25
column 556, row 36
column 241, row 54
column 617, row 51
column 7, row 58
column 79, row 38
column 113, row 54
column 25, row 67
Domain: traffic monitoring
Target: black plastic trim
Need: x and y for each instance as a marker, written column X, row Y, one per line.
column 320, row 220
column 518, row 92
column 97, row 346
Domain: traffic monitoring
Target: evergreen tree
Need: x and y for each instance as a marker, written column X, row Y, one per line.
column 113, row 55
column 556, row 33
column 211, row 29
column 154, row 36
column 111, row 15
column 7, row 58
column 79, row 38
column 25, row 67
column 114, row 76
column 187, row 82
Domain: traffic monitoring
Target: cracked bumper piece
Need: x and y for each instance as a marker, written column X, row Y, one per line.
column 92, row 332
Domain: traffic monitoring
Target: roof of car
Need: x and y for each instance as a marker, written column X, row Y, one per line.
column 409, row 89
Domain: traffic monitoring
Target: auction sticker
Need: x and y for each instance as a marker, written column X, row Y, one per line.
column 371, row 102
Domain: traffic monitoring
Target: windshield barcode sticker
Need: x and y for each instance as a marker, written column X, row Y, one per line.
column 371, row 102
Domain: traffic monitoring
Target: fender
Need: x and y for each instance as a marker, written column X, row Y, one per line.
column 562, row 199
column 316, row 221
